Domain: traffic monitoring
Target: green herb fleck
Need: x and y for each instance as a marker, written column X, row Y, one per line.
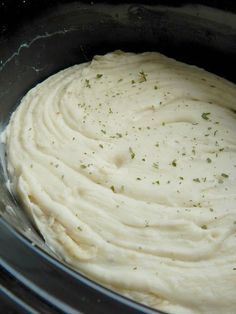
column 205, row 115
column 100, row 145
column 208, row 160
column 204, row 227
column 132, row 154
column 103, row 131
column 113, row 189
column 83, row 166
column 174, row 163
column 143, row 77
column 224, row 175
column 196, row 180
column 155, row 165
column 87, row 83
column 98, row 76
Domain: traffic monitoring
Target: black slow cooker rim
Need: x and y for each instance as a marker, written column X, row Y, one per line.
column 20, row 9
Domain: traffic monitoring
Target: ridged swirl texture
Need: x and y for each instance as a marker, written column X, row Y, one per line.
column 126, row 164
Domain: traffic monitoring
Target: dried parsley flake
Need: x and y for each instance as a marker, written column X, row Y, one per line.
column 143, row 77
column 174, row 163
column 224, row 175
column 132, row 154
column 113, row 189
column 155, row 165
column 87, row 83
column 205, row 115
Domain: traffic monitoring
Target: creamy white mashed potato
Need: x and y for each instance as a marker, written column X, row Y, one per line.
column 127, row 166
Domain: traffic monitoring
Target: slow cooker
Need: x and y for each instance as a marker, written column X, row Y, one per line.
column 39, row 38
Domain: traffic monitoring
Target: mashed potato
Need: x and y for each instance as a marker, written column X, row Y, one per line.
column 127, row 166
